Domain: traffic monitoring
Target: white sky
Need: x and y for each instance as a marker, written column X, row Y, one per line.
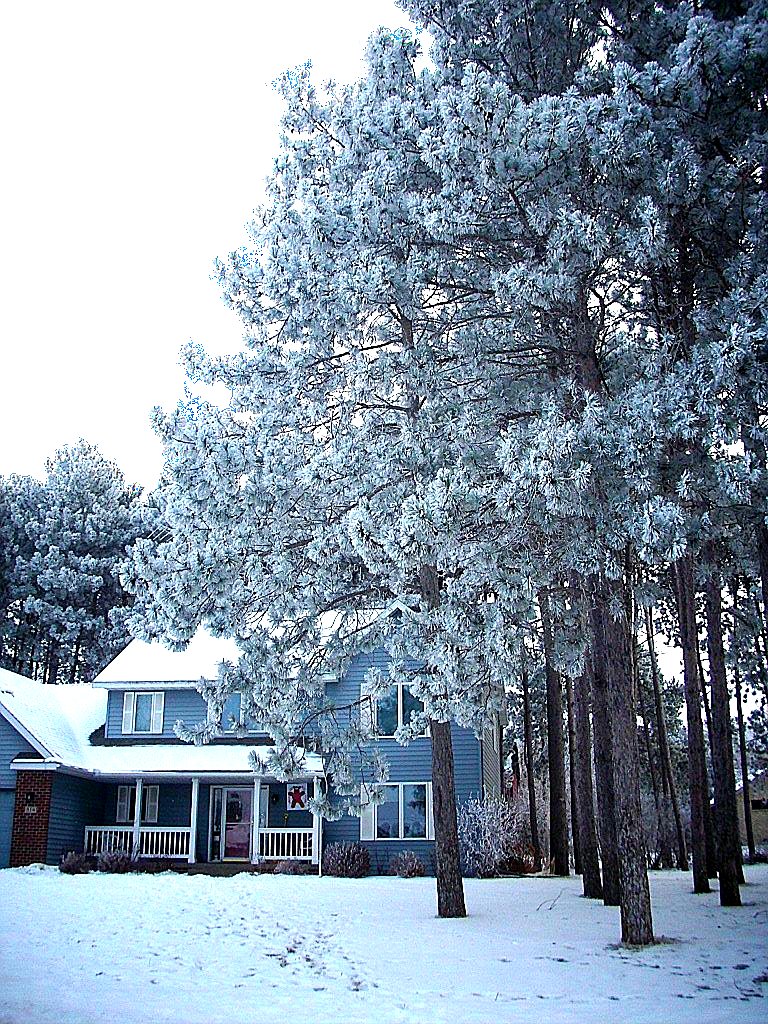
column 135, row 141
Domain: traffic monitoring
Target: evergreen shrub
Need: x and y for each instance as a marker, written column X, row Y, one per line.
column 292, row 867
column 115, row 862
column 346, row 860
column 75, row 863
column 406, row 865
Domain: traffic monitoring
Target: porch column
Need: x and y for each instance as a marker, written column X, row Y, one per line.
column 137, row 818
column 317, row 830
column 193, row 821
column 255, row 822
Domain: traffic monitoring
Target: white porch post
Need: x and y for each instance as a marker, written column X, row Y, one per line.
column 317, row 830
column 193, row 821
column 137, row 818
column 255, row 816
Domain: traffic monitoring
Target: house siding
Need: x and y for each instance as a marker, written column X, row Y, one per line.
column 411, row 763
column 12, row 744
column 180, row 705
column 75, row 803
column 174, row 801
column 491, row 761
column 7, row 798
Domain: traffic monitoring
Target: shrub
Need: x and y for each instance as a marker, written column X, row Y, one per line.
column 75, row 863
column 521, row 860
column 406, row 865
column 292, row 867
column 346, row 860
column 486, row 835
column 115, row 862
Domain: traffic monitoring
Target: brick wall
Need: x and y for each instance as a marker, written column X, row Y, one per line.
column 29, row 842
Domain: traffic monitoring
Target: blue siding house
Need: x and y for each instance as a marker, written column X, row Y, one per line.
column 99, row 768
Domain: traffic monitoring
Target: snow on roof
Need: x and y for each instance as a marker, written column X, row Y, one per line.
column 57, row 719
column 175, row 759
column 143, row 662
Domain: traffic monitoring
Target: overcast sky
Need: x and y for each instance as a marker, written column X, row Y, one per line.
column 136, row 138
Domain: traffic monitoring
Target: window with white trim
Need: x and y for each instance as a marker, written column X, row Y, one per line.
column 405, row 813
column 143, row 712
column 126, row 804
column 394, row 708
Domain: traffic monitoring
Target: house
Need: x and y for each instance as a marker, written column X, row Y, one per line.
column 100, row 768
column 758, row 801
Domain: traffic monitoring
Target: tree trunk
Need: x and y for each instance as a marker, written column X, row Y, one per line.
column 635, row 905
column 450, row 886
column 664, row 849
column 572, row 778
column 726, row 815
column 558, row 817
column 750, row 835
column 606, row 800
column 667, row 778
column 582, row 756
column 696, row 769
column 528, row 743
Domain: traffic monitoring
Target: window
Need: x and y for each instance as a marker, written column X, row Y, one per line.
column 230, row 716
column 759, row 804
column 143, row 712
column 405, row 813
column 126, row 803
column 394, row 708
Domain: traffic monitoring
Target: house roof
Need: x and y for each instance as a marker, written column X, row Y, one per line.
column 55, row 720
column 58, row 721
column 151, row 662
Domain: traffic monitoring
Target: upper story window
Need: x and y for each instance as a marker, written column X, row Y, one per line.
column 143, row 712
column 232, row 715
column 394, row 708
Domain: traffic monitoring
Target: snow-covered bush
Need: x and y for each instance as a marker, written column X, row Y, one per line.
column 346, row 860
column 115, row 862
column 75, row 863
column 406, row 865
column 486, row 835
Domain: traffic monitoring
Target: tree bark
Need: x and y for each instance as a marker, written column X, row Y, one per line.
column 528, row 743
column 450, row 885
column 726, row 816
column 590, row 863
column 667, row 778
column 635, row 895
column 664, row 849
column 696, row 770
column 572, row 778
column 750, row 835
column 606, row 800
column 558, row 817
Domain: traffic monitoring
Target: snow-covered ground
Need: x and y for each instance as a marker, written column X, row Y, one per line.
column 140, row 948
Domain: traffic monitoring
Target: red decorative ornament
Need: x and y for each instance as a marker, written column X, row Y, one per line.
column 297, row 797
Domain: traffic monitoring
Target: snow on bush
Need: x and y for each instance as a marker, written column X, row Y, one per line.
column 406, row 865
column 346, row 860
column 487, row 833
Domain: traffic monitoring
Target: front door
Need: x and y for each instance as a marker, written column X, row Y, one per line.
column 236, row 826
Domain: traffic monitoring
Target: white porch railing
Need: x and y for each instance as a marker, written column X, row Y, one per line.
column 285, row 843
column 163, row 843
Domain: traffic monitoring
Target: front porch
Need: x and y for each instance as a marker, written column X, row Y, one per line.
column 229, row 821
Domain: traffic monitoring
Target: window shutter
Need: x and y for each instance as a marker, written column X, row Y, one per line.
column 158, row 701
column 367, row 715
column 152, row 798
column 129, row 702
column 123, row 797
column 430, row 813
column 366, row 815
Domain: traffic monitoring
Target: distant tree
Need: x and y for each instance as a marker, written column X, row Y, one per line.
column 62, row 541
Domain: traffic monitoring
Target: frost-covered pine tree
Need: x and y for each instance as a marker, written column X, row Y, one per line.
column 63, row 540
